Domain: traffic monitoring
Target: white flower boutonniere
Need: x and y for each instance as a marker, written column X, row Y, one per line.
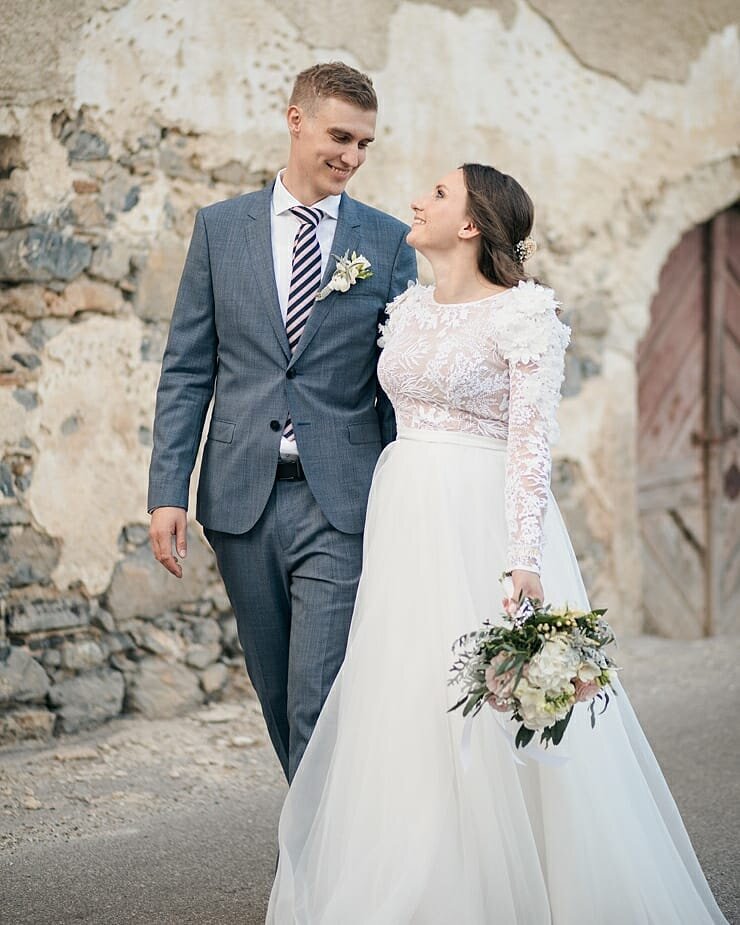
column 348, row 271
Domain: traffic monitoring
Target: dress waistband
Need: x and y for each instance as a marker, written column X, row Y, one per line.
column 452, row 436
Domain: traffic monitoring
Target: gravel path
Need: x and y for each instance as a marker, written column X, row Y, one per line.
column 174, row 821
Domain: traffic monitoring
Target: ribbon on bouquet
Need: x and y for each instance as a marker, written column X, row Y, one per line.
column 532, row 750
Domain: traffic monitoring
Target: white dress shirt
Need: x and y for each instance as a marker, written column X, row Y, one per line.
column 283, row 228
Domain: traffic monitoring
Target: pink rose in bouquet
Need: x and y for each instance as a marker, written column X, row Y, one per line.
column 585, row 690
column 500, row 684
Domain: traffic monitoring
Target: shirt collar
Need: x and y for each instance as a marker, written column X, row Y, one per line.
column 282, row 201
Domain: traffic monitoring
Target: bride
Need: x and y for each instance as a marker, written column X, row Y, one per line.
column 382, row 824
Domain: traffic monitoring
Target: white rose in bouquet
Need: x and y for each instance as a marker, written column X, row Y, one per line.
column 532, row 705
column 587, row 671
column 554, row 666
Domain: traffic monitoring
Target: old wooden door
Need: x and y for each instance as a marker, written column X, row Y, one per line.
column 722, row 440
column 689, row 409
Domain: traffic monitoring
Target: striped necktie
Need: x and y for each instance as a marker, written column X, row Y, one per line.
column 305, row 280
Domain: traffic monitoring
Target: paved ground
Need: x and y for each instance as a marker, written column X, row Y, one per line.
column 174, row 822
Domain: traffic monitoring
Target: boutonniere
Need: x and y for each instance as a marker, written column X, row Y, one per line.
column 348, row 271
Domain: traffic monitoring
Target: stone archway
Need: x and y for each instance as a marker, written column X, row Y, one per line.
column 688, row 366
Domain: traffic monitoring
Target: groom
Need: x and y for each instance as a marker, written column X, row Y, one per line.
column 299, row 419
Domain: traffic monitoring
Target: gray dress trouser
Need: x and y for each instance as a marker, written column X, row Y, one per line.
column 292, row 581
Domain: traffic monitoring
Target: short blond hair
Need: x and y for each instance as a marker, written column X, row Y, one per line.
column 334, row 79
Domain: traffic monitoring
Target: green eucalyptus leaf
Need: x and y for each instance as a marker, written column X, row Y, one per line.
column 523, row 737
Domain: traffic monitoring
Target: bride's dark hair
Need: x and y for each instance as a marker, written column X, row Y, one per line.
column 504, row 214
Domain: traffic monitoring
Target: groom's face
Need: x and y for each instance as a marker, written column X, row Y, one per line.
column 329, row 144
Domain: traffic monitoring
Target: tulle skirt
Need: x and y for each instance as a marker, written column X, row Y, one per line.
column 385, row 824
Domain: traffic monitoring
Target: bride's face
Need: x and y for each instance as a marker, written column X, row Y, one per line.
column 440, row 217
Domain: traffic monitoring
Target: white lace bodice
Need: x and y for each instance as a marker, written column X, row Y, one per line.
column 493, row 368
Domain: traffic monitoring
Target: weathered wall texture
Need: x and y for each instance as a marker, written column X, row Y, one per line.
column 119, row 119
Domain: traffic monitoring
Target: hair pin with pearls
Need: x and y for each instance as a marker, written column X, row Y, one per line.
column 523, row 250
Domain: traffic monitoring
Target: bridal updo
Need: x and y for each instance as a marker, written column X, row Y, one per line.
column 503, row 213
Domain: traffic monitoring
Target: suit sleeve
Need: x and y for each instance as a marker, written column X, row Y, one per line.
column 187, row 379
column 404, row 271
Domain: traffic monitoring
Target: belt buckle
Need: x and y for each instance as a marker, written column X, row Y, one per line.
column 294, row 466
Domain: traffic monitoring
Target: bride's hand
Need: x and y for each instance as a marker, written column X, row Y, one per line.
column 526, row 584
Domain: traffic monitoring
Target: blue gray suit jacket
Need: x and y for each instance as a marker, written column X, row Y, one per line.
column 227, row 336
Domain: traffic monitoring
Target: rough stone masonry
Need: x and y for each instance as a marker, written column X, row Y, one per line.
column 84, row 317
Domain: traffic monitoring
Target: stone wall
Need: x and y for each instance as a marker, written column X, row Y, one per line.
column 91, row 625
column 119, row 119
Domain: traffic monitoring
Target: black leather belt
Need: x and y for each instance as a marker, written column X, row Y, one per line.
column 289, row 470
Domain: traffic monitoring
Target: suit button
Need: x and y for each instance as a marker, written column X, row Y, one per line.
column 290, row 374
column 275, row 425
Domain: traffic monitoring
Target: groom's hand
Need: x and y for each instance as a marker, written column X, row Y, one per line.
column 169, row 523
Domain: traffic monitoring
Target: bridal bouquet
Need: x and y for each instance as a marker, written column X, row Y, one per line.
column 536, row 666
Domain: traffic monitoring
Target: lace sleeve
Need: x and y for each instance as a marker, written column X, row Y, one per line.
column 532, row 341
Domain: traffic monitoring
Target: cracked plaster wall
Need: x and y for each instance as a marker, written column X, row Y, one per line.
column 119, row 119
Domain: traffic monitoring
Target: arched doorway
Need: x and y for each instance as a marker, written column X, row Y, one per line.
column 688, row 445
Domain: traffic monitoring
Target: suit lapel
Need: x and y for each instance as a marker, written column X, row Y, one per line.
column 346, row 238
column 259, row 255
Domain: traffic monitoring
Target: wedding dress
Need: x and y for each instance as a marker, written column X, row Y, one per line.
column 384, row 823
